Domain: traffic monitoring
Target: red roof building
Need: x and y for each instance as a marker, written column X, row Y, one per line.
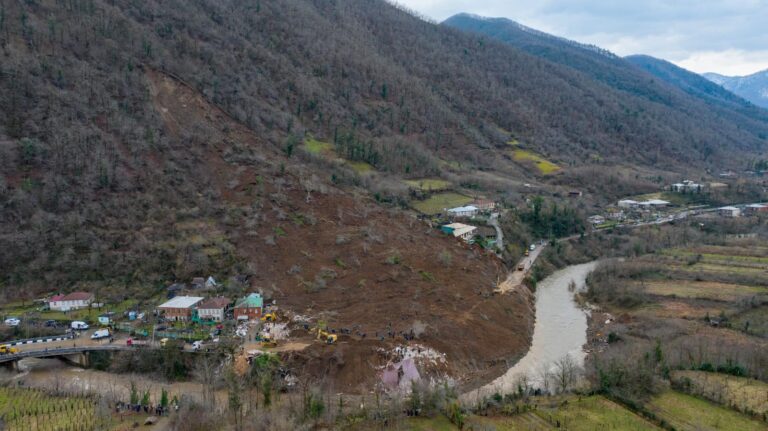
column 72, row 301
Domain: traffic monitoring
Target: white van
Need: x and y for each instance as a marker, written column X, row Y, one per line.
column 101, row 333
column 79, row 326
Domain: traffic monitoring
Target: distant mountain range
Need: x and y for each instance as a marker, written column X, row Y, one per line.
column 638, row 80
column 751, row 87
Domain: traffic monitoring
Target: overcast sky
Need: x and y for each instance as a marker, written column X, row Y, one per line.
column 724, row 36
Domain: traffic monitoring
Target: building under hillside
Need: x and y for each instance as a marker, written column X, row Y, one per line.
column 180, row 308
column 72, row 301
column 460, row 230
column 249, row 307
column 466, row 211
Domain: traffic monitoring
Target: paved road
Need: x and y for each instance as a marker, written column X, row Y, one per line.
column 84, row 339
column 515, row 276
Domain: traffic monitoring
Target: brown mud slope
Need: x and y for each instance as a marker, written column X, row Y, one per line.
column 336, row 256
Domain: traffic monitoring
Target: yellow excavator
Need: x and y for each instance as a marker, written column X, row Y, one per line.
column 269, row 317
column 6, row 349
column 268, row 341
column 325, row 335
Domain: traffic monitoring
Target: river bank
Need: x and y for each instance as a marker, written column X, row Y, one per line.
column 560, row 330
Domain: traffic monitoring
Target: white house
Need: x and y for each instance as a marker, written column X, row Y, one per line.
column 686, row 186
column 729, row 212
column 72, row 301
column 596, row 219
column 460, row 230
column 467, row 211
column 213, row 309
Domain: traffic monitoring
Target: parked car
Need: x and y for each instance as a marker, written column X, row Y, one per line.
column 51, row 323
column 197, row 345
column 79, row 326
column 12, row 321
column 533, row 247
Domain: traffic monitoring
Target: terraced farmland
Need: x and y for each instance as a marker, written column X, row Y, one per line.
column 703, row 289
column 688, row 413
column 33, row 410
column 428, row 184
column 744, row 394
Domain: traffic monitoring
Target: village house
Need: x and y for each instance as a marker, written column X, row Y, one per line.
column 755, row 209
column 628, row 203
column 484, row 204
column 466, row 211
column 653, row 204
column 596, row 219
column 213, row 309
column 72, row 301
column 460, row 230
column 179, row 308
column 198, row 283
column 249, row 307
column 729, row 212
column 686, row 186
column 614, row 214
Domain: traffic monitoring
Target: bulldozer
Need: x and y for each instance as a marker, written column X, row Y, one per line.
column 6, row 349
column 269, row 317
column 325, row 335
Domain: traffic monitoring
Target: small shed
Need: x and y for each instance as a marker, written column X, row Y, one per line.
column 729, row 212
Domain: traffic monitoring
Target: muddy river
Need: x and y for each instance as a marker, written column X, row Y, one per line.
column 560, row 330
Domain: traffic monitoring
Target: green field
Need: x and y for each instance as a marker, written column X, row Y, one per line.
column 688, row 413
column 544, row 166
column 428, row 184
column 757, row 318
column 437, row 202
column 360, row 167
column 594, row 413
column 438, row 423
column 314, row 146
column 742, row 393
column 529, row 421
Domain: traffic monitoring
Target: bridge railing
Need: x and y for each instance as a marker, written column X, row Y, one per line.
column 59, row 351
column 46, row 339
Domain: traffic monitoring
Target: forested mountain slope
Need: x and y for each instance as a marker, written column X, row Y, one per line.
column 637, row 88
column 751, row 87
column 95, row 187
column 696, row 85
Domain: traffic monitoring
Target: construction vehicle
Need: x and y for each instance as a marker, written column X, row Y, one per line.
column 268, row 341
column 269, row 317
column 6, row 349
column 326, row 336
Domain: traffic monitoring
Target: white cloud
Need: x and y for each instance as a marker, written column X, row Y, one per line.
column 731, row 62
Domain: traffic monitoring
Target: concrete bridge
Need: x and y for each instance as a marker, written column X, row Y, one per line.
column 74, row 355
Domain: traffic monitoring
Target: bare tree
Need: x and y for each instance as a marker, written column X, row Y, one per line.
column 566, row 373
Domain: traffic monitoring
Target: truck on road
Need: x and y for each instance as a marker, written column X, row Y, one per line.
column 7, row 349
